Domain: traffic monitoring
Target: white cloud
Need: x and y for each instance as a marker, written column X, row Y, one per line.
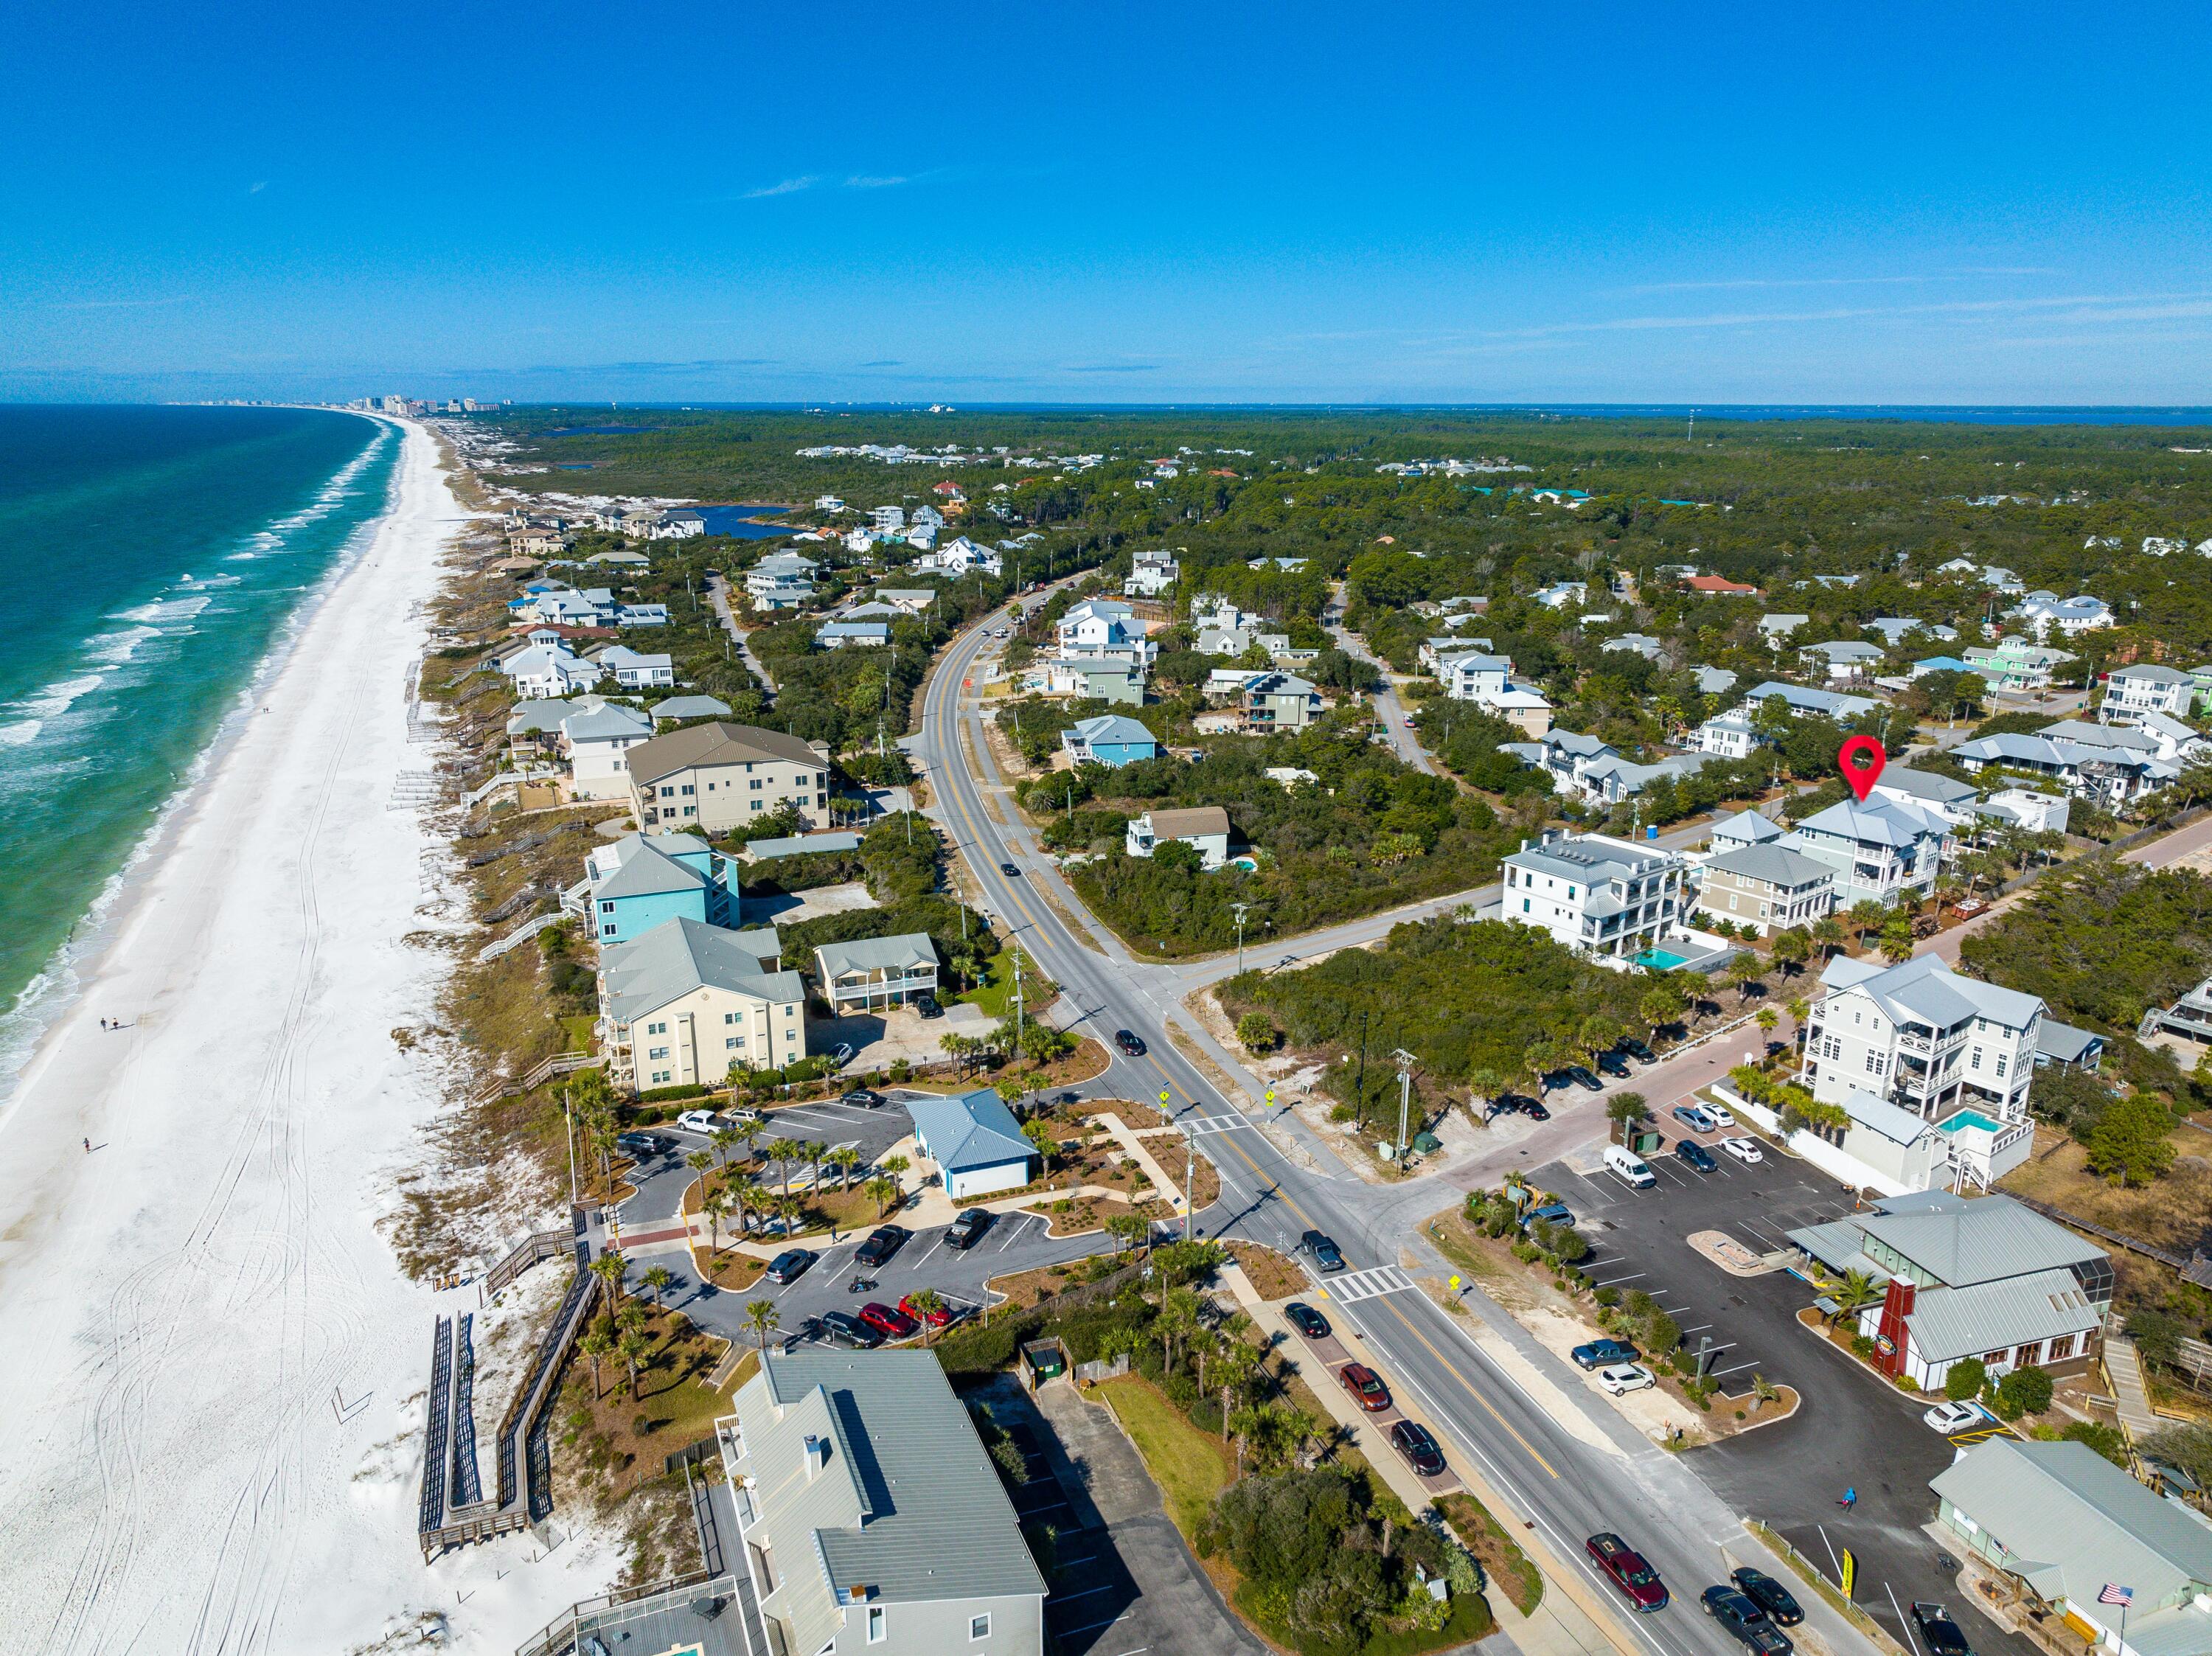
column 789, row 187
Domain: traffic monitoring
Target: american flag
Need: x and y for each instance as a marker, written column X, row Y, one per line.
column 2116, row 1594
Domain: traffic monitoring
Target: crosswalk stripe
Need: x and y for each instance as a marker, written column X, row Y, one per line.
column 1199, row 1126
column 1366, row 1284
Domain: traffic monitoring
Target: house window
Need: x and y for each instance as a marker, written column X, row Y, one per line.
column 668, row 793
column 876, row 1629
column 688, row 790
column 2001, row 1066
column 729, row 1017
column 755, row 784
column 606, row 906
column 658, row 1052
column 656, row 1028
column 979, row 1627
column 1977, row 1062
column 757, row 803
column 733, row 1043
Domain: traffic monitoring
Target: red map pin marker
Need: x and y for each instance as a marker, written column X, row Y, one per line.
column 1860, row 760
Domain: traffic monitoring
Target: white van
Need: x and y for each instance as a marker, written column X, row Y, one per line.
column 1631, row 1168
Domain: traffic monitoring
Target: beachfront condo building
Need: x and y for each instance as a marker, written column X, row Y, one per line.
column 687, row 1000
column 715, row 778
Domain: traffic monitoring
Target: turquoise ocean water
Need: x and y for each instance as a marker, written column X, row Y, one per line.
column 150, row 560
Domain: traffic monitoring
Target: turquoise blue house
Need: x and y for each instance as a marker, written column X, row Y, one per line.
column 642, row 880
column 1112, row 739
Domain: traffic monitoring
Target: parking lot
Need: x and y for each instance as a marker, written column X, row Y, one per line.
column 1851, row 1431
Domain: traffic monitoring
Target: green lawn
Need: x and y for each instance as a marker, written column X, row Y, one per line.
column 1190, row 1466
column 995, row 994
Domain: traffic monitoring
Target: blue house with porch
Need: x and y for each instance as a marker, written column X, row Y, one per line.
column 643, row 880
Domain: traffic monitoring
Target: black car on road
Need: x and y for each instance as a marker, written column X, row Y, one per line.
column 1938, row 1632
column 1127, row 1041
column 1307, row 1321
column 1010, row 871
column 1746, row 1621
column 1324, row 1254
column 789, row 1265
column 968, row 1229
column 1413, row 1440
column 1769, row 1595
column 882, row 1241
column 843, row 1328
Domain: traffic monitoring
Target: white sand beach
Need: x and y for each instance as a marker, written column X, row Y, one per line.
column 213, row 1372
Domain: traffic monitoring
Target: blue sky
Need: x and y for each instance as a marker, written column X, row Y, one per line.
column 670, row 202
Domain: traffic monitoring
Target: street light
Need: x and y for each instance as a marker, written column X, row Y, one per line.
column 1406, row 1063
column 1240, row 908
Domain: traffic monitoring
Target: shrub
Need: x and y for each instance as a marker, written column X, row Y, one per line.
column 1608, row 1297
column 2026, row 1390
column 1863, row 1346
column 666, row 1094
column 1965, row 1380
column 2107, row 1440
column 1257, row 1032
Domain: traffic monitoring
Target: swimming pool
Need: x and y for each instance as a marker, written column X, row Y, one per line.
column 1660, row 960
column 1967, row 1118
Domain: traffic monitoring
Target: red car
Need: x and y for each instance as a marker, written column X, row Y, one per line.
column 1366, row 1387
column 892, row 1324
column 1628, row 1570
column 938, row 1318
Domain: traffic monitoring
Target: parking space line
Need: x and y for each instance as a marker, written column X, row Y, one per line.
column 1737, row 1369
column 1069, row 1633
column 1070, row 1597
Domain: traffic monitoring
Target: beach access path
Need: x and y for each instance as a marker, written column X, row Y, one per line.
column 215, row 1370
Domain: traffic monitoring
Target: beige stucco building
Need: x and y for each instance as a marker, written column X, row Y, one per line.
column 716, row 778
column 686, row 1001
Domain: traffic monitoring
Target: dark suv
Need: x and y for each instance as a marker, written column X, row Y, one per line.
column 1324, row 1252
column 1942, row 1635
column 1745, row 1622
column 1412, row 1440
column 1127, row 1041
column 1769, row 1595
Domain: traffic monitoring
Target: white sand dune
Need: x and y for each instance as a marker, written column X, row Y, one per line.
column 183, row 1310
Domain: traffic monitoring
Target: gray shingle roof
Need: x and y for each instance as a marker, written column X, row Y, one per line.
column 2074, row 1521
column 968, row 1129
column 2062, row 1043
column 797, row 844
column 1113, row 728
column 1936, row 788
column 648, row 871
column 1748, row 825
column 895, row 954
column 717, row 744
column 904, row 1507
column 691, row 707
column 677, row 956
column 1197, row 820
column 1879, row 822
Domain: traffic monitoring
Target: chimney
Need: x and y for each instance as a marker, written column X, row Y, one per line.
column 816, row 1453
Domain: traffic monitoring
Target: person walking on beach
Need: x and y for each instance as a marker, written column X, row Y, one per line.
column 88, row 1147
column 1850, row 1500
column 103, row 1024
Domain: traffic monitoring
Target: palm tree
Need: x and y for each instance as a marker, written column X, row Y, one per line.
column 1625, row 1110
column 722, row 1139
column 815, row 1150
column 612, row 1268
column 761, row 1316
column 1947, row 893
column 789, row 1210
column 657, row 1281
column 1767, row 1018
column 845, row 1158
column 925, row 1302
column 699, row 1162
column 1661, row 1005
column 1865, row 915
column 1484, row 1084
column 883, row 1192
column 634, row 1347
column 1800, row 1009
column 783, row 1152
column 1828, row 932
column 1896, row 943
column 715, row 1204
column 1791, row 951
column 1744, row 971
column 896, row 1166
column 1542, row 1057
column 1852, row 1295
column 598, row 1341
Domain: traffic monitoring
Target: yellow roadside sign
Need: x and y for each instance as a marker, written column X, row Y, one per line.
column 1851, row 1568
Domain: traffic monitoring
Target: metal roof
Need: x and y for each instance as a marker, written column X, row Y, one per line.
column 645, row 870
column 1985, row 1241
column 1748, row 825
column 1899, row 1126
column 2062, row 1043
column 691, row 707
column 968, row 1129
column 677, row 956
column 1929, row 786
column 797, row 844
column 896, row 1502
column 1995, row 1316
column 2072, row 1522
column 1924, row 990
column 1114, row 728
column 1880, row 821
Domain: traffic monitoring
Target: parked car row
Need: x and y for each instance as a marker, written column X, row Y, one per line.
column 1752, row 1605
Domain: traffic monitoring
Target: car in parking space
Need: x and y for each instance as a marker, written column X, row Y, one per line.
column 1691, row 1154
column 1613, row 1063
column 1307, row 1321
column 1414, row 1440
column 806, row 1328
column 789, row 1265
column 1744, row 1150
column 698, row 1121
column 1637, row 1050
column 643, row 1145
column 1624, row 1568
column 1534, row 1108
column 1938, row 1632
column 1552, row 1213
column 861, row 1098
column 1695, row 1119
column 936, row 1316
column 882, row 1242
column 843, row 1328
column 1010, row 871
column 1949, row 1417
column 1723, row 1117
column 1623, row 1378
column 1769, row 1595
column 1366, row 1387
column 1599, row 1353
column 968, row 1229
column 1127, row 1041
column 926, row 1006
column 1325, row 1253
column 1744, row 1620
column 888, row 1321
column 1582, row 1078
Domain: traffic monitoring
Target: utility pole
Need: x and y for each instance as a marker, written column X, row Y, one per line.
column 1359, row 1085
column 1240, row 908
column 568, row 1117
column 1017, row 1000
column 1190, row 1174
column 1406, row 1063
